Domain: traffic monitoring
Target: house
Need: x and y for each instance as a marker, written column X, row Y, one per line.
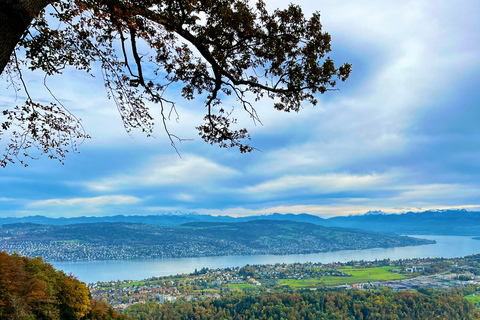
column 415, row 269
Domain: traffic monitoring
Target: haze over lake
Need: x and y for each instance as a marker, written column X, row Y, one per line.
column 106, row 270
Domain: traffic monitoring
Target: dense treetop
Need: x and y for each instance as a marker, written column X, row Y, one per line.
column 383, row 304
column 32, row 289
column 211, row 48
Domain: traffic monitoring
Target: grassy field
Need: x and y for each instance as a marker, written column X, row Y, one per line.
column 474, row 298
column 137, row 283
column 358, row 275
column 240, row 285
column 301, row 283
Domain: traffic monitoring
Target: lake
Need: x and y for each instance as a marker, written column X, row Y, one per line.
column 106, row 270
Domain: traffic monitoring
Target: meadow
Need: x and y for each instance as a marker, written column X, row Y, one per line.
column 357, row 275
column 474, row 297
column 241, row 285
column 131, row 284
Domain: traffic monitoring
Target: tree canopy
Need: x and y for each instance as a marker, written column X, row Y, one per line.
column 211, row 48
column 32, row 289
column 318, row 304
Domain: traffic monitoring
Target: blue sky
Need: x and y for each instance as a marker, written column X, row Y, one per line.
column 401, row 134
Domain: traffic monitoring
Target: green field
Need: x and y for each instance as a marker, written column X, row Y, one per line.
column 242, row 285
column 301, row 283
column 358, row 275
column 137, row 283
column 475, row 298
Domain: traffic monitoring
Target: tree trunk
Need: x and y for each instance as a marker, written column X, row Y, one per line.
column 15, row 18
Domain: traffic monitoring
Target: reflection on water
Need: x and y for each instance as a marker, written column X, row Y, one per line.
column 93, row 271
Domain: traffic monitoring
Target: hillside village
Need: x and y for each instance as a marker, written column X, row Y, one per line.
column 406, row 275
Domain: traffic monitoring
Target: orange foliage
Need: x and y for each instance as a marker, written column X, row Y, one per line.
column 29, row 287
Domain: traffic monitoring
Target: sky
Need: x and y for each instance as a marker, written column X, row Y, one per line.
column 401, row 134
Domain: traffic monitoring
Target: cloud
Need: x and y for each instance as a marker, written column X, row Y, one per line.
column 401, row 57
column 92, row 203
column 440, row 194
column 337, row 153
column 326, row 183
column 184, row 197
column 3, row 199
column 167, row 170
column 148, row 210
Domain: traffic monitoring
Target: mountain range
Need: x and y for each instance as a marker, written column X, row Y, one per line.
column 437, row 222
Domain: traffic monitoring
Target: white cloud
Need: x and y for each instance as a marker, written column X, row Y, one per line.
column 320, row 183
column 184, row 197
column 328, row 155
column 92, row 203
column 411, row 53
column 167, row 170
column 161, row 209
column 439, row 194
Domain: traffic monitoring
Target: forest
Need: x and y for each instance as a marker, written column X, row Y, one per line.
column 32, row 289
column 382, row 304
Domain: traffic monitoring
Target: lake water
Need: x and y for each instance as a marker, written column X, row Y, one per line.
column 106, row 270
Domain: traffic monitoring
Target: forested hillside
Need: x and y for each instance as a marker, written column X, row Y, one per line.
column 117, row 240
column 32, row 289
column 383, row 304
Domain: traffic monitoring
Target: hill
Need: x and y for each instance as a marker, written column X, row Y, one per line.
column 32, row 289
column 120, row 240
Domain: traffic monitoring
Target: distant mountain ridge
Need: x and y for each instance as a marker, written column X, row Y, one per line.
column 162, row 219
column 432, row 222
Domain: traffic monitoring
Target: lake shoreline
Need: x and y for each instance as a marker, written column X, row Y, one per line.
column 107, row 270
column 426, row 242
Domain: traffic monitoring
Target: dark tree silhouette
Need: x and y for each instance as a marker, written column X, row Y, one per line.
column 212, row 48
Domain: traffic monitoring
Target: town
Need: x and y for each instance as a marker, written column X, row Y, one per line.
column 399, row 275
